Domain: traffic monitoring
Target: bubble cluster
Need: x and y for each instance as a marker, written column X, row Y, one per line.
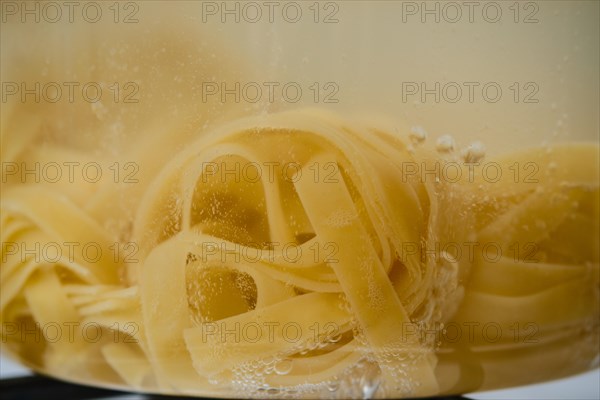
column 341, row 218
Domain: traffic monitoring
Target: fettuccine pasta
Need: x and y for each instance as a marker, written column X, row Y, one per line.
column 292, row 254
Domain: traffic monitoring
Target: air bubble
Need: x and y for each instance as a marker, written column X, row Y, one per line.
column 334, row 385
column 445, row 144
column 417, row 134
column 268, row 360
column 335, row 339
column 284, row 366
column 474, row 152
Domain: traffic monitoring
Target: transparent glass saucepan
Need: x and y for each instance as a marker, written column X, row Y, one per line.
column 307, row 199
